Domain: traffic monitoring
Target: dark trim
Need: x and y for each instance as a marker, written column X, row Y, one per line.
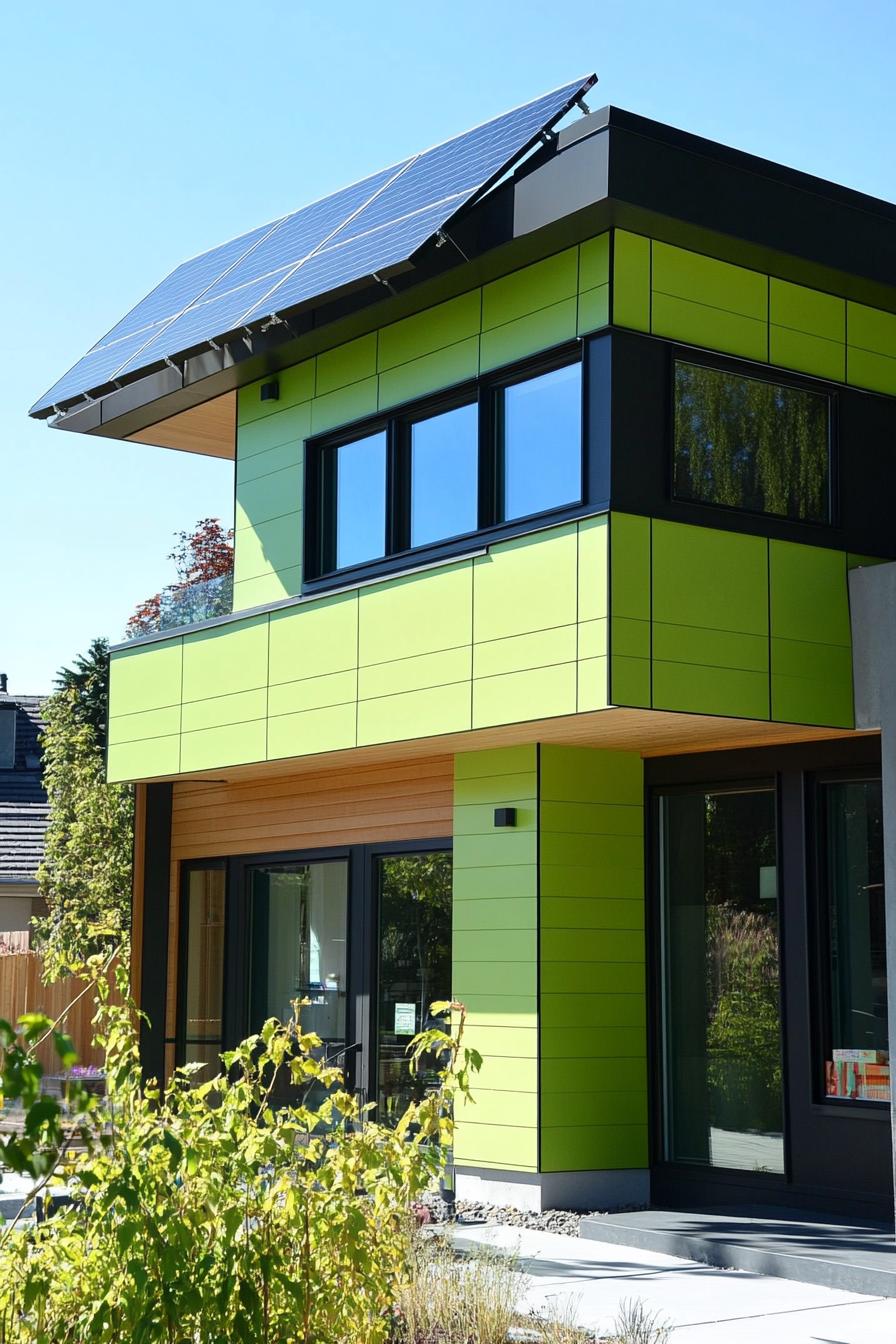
column 837, row 1157
column 319, row 557
column 862, row 480
column 188, row 866
column 768, row 375
column 820, row 941
column 156, row 917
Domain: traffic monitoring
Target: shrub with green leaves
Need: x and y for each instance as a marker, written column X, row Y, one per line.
column 202, row 1214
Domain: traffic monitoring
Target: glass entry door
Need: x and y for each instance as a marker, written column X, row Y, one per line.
column 414, row 968
column 721, row 979
column 298, row 917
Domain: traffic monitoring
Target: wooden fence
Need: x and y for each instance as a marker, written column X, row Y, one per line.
column 22, row 990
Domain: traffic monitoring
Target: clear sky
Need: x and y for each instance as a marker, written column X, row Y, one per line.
column 135, row 135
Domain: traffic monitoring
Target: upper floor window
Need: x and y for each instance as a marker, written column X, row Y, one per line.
column 507, row 450
column 540, row 442
column 355, row 484
column 444, row 475
column 752, row 444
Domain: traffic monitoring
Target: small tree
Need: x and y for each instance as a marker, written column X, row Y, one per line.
column 203, row 554
column 85, row 877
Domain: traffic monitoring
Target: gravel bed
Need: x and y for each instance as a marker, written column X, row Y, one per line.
column 561, row 1221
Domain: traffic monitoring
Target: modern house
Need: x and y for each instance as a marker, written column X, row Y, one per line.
column 23, row 815
column 555, row 448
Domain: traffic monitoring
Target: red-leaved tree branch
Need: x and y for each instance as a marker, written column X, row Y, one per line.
column 203, row 554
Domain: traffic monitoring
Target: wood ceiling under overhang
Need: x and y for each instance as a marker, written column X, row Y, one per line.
column 209, row 429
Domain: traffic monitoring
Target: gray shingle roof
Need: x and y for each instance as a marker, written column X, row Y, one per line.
column 23, row 801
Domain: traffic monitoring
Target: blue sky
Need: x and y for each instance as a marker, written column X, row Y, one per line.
column 137, row 135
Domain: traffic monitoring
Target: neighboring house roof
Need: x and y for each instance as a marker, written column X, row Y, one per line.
column 23, row 801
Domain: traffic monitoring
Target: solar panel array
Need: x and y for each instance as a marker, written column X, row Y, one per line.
column 356, row 232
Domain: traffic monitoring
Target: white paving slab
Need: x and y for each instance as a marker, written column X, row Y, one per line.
column 701, row 1302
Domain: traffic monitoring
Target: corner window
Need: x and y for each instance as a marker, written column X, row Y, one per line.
column 752, row 444
column 854, row 997
column 509, row 448
column 540, row 442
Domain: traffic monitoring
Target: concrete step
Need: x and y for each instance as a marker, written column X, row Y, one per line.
column 855, row 1257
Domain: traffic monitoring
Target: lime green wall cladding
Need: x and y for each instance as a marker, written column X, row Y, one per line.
column 511, row 636
column 549, row 958
column 495, row 954
column 711, row 622
column 688, row 296
column 530, row 309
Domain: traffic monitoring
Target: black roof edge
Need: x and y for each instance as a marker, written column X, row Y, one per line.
column 612, row 167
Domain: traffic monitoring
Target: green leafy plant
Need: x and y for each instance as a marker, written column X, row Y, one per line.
column 85, row 877
column 203, row 1214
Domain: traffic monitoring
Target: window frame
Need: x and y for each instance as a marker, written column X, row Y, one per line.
column 775, row 377
column 319, row 569
column 182, row 1038
column 820, row 938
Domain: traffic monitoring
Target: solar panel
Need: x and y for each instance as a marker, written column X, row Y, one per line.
column 345, row 237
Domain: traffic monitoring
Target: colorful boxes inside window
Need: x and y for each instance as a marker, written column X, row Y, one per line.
column 858, row 1075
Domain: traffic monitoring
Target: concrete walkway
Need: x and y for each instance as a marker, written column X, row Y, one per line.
column 705, row 1305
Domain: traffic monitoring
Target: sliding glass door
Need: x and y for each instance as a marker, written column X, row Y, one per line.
column 721, row 978
column 414, row 968
column 298, row 926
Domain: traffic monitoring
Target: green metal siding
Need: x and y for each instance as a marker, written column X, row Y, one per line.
column 549, row 958
column 495, row 960
column 529, row 310
column 688, row 296
column 711, row 622
column 514, row 635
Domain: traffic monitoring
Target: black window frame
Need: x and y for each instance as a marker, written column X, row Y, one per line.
column 820, row 936
column 771, row 375
column 319, row 570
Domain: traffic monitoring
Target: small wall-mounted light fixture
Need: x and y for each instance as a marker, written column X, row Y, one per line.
column 505, row 816
column 270, row 391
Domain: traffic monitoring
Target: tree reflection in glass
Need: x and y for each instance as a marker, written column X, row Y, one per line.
column 751, row 444
column 414, row 968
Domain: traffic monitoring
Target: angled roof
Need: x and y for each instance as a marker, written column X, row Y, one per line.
column 366, row 229
column 24, row 809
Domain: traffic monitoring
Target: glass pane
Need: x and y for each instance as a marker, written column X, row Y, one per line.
column 209, row 1055
column 298, row 946
column 750, row 444
column 414, row 970
column 541, row 430
column 722, row 1023
column 444, row 475
column 205, row 957
column 357, row 487
column 857, row 1061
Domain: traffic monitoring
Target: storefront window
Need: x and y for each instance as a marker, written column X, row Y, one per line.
column 857, row 1056
column 414, row 969
column 721, row 979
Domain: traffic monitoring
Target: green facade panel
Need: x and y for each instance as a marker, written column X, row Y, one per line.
column 511, row 637
column 560, row 974
column 685, row 295
column 705, row 621
column 533, row 308
column 631, row 280
column 494, row 959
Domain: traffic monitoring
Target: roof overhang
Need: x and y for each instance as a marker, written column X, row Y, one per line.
column 611, row 168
